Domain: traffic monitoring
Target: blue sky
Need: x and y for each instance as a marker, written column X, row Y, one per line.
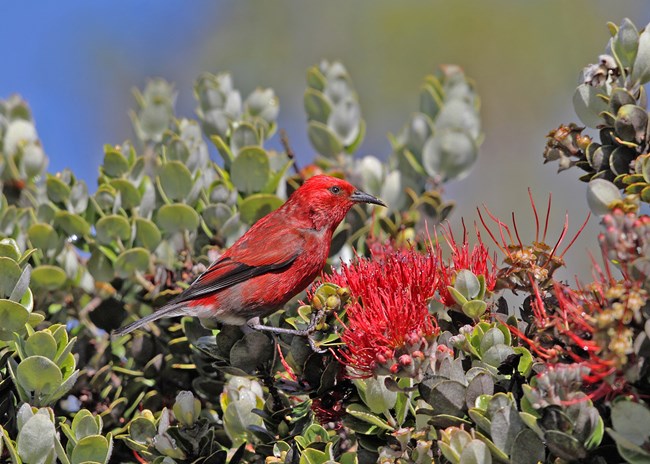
column 76, row 61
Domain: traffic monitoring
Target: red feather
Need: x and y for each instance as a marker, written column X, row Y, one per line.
column 277, row 258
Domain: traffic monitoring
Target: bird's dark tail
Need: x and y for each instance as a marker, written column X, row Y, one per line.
column 166, row 311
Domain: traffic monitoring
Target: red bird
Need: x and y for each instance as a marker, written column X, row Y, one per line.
column 278, row 257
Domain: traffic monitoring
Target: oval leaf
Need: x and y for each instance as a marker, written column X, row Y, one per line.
column 177, row 217
column 38, row 374
column 324, row 140
column 111, row 228
column 256, row 206
column 250, row 170
column 48, row 277
column 175, row 180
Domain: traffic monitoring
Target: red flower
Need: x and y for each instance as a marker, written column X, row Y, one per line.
column 596, row 325
column 389, row 327
column 477, row 261
column 593, row 327
column 528, row 265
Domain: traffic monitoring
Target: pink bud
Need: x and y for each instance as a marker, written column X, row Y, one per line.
column 405, row 360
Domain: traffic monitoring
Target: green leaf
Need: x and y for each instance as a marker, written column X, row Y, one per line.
column 38, row 374
column 631, row 420
column 41, row 343
column 496, row 355
column 632, row 452
column 244, row 135
column 177, row 217
column 48, row 277
column 100, row 266
column 474, row 309
column 324, row 140
column 641, row 68
column 72, row 224
column 344, row 121
column 377, row 397
column 601, row 194
column 527, row 448
column 313, row 456
column 10, row 274
column 13, row 317
column 361, row 412
column 111, row 228
column 430, row 102
column 317, row 106
column 491, row 338
column 129, row 195
column 115, row 163
column 84, row 424
column 216, row 215
column 458, row 297
column 481, row 384
column 94, row 448
column 10, row 449
column 251, row 352
column 131, row 261
column 459, row 115
column 526, row 360
column 147, row 234
column 596, row 434
column 314, row 434
column 505, row 425
column 250, row 170
column 175, row 180
column 9, row 248
column 476, row 452
column 223, row 149
column 448, row 397
column 449, row 154
column 142, row 430
column 588, row 104
column 272, row 185
column 564, row 446
column 57, row 190
column 256, row 206
column 361, row 134
column 43, row 236
column 35, row 442
column 186, row 408
column 315, row 78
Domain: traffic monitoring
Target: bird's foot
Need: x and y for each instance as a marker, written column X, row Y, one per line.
column 255, row 324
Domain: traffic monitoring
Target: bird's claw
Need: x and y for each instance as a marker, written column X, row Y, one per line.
column 314, row 347
column 311, row 328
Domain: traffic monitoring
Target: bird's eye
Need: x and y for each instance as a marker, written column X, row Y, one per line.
column 335, row 190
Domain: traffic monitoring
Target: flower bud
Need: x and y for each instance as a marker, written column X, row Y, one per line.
column 333, row 302
column 186, row 408
column 317, row 303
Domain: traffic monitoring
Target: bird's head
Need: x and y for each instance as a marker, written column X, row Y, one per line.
column 328, row 199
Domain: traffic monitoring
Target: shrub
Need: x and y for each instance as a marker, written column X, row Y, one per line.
column 417, row 356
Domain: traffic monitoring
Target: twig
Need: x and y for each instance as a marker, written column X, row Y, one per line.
column 284, row 138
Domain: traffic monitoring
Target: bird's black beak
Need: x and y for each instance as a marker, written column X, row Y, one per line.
column 363, row 197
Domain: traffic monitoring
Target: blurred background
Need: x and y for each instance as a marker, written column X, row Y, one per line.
column 76, row 63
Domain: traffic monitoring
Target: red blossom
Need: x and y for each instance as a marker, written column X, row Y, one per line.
column 588, row 327
column 477, row 261
column 388, row 320
column 529, row 264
